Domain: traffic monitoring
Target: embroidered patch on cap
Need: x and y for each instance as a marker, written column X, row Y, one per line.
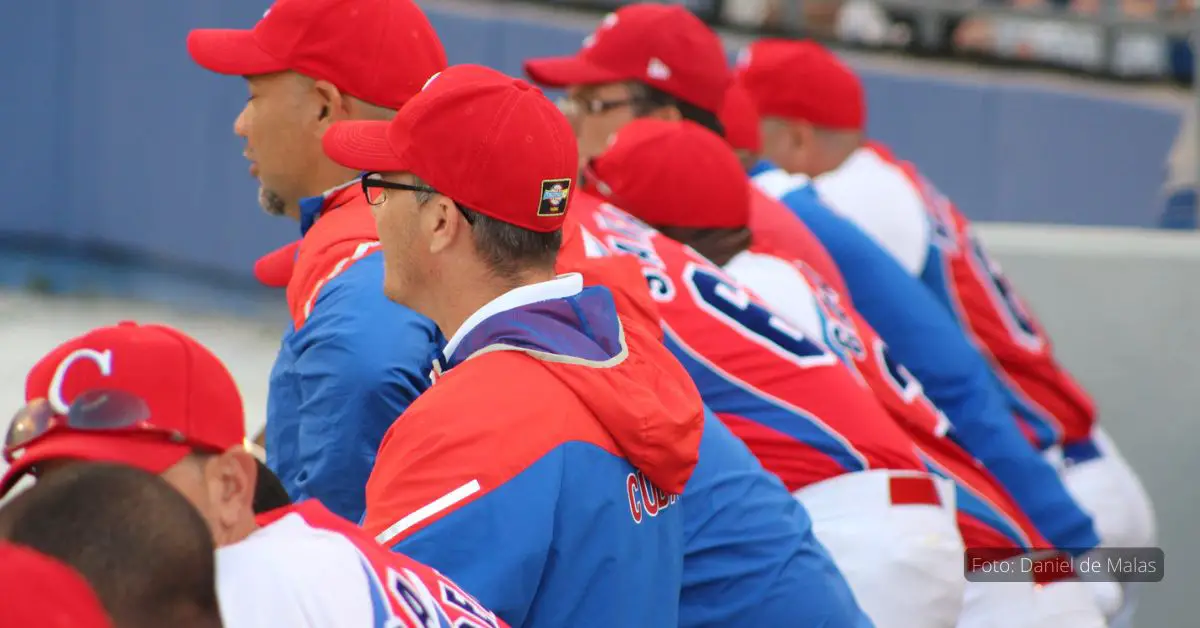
column 554, row 197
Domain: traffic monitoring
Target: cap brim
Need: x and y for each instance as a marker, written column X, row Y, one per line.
column 362, row 145
column 567, row 71
column 147, row 452
column 275, row 268
column 228, row 51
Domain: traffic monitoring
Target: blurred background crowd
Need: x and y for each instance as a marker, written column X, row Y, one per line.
column 1143, row 39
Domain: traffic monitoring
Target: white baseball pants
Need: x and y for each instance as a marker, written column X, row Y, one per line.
column 1107, row 488
column 903, row 561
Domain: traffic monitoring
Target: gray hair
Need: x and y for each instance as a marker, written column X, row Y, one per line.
column 507, row 249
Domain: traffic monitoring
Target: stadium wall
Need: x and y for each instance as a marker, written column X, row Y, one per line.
column 115, row 139
column 123, row 177
column 1118, row 304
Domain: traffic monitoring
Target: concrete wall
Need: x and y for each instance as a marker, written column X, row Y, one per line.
column 1119, row 305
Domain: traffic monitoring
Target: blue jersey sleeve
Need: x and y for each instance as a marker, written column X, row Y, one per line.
column 359, row 361
column 925, row 338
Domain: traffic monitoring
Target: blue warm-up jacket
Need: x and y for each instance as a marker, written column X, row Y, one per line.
column 349, row 363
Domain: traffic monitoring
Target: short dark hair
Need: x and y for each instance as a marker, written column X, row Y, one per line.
column 649, row 98
column 144, row 549
column 269, row 492
column 506, row 249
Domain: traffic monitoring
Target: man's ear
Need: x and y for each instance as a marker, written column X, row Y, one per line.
column 801, row 134
column 442, row 222
column 329, row 105
column 238, row 476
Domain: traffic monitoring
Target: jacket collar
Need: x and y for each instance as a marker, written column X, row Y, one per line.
column 313, row 207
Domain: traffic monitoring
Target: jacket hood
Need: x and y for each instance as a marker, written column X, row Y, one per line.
column 616, row 367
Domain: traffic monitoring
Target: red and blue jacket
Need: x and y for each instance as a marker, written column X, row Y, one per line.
column 925, row 338
column 542, row 470
column 750, row 556
column 349, row 363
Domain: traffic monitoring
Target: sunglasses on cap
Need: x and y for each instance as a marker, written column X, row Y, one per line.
column 91, row 411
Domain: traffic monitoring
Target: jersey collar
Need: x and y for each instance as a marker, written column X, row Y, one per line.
column 560, row 287
column 275, row 268
column 312, row 207
column 762, row 166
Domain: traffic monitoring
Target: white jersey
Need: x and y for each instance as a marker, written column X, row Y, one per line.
column 781, row 286
column 879, row 197
column 307, row 568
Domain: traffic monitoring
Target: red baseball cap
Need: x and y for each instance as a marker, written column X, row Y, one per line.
column 663, row 46
column 380, row 51
column 190, row 399
column 40, row 591
column 493, row 143
column 802, row 80
column 739, row 116
column 676, row 174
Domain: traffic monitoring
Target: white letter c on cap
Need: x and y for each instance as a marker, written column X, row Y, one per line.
column 103, row 359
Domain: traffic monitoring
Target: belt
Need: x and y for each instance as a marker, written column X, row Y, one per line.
column 908, row 490
column 1055, row 568
column 1081, row 451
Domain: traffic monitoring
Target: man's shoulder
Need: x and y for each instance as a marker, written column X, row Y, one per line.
column 488, row 399
column 512, row 385
column 289, row 564
column 340, row 250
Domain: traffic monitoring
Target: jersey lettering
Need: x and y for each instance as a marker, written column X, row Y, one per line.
column 941, row 218
column 625, row 246
column 102, row 359
column 475, row 615
column 1016, row 317
column 732, row 304
column 413, row 598
column 646, row 499
column 612, row 219
column 898, row 377
column 838, row 324
column 879, row 363
column 660, row 285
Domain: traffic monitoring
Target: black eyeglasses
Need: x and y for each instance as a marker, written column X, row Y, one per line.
column 375, row 180
column 594, row 106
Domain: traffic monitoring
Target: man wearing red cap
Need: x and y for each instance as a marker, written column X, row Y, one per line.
column 819, row 132
column 151, row 397
column 542, row 468
column 919, row 330
column 648, row 155
column 891, row 200
column 351, row 360
column 40, row 592
column 655, row 60
column 780, row 384
column 750, row 555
